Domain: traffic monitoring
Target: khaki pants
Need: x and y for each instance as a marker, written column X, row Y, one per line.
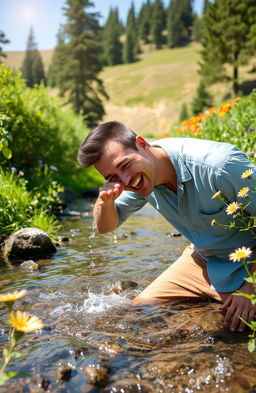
column 185, row 279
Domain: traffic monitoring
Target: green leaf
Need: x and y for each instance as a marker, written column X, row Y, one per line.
column 251, row 345
column 4, row 378
column 7, row 152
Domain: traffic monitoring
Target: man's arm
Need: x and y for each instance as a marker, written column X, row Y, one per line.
column 105, row 213
column 239, row 306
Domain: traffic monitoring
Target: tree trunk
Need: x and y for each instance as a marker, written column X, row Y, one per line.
column 235, row 85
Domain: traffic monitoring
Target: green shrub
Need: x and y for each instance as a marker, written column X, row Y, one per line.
column 233, row 122
column 18, row 207
column 35, row 126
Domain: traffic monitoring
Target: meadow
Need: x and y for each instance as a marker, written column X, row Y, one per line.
column 149, row 93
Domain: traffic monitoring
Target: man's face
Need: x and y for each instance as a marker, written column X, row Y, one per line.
column 134, row 169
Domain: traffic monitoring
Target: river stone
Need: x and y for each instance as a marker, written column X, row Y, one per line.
column 63, row 372
column 28, row 242
column 123, row 285
column 29, row 265
column 97, row 376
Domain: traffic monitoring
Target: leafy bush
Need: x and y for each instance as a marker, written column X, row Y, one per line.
column 233, row 122
column 34, row 126
column 18, row 207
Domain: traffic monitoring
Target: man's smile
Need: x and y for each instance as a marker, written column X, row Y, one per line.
column 136, row 183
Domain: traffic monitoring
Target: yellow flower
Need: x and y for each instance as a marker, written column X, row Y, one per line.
column 232, row 208
column 240, row 253
column 247, row 173
column 243, row 193
column 216, row 195
column 11, row 297
column 25, row 323
column 213, row 222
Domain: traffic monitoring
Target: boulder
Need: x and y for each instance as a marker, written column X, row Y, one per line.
column 28, row 242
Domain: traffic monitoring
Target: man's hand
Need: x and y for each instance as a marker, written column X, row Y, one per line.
column 237, row 306
column 109, row 192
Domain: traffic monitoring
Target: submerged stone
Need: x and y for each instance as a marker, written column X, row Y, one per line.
column 29, row 265
column 63, row 373
column 28, row 242
column 123, row 285
column 97, row 376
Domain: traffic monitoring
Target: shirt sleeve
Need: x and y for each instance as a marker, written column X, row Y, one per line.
column 128, row 203
column 231, row 180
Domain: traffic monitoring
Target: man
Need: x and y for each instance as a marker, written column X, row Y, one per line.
column 186, row 180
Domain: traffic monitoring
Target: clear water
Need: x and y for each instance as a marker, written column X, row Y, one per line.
column 179, row 349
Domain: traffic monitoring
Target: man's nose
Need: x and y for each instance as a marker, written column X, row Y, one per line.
column 125, row 178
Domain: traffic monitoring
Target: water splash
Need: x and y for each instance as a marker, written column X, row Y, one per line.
column 98, row 303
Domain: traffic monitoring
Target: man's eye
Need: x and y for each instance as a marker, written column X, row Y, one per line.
column 126, row 165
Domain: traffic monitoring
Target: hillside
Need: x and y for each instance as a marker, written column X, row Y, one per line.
column 14, row 59
column 148, row 95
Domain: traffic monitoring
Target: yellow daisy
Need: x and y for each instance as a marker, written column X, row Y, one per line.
column 25, row 323
column 240, row 253
column 247, row 173
column 12, row 296
column 232, row 208
column 243, row 193
column 216, row 195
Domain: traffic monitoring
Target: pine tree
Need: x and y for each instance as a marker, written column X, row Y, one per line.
column 131, row 40
column 206, row 2
column 184, row 115
column 32, row 68
column 78, row 79
column 179, row 23
column 197, row 29
column 158, row 23
column 145, row 21
column 57, row 65
column 111, row 39
column 202, row 99
column 228, row 38
column 3, row 40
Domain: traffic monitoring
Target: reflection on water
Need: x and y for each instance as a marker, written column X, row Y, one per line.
column 90, row 329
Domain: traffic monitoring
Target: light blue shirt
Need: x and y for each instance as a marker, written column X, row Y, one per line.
column 203, row 168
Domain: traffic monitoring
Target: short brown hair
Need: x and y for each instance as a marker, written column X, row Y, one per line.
column 93, row 145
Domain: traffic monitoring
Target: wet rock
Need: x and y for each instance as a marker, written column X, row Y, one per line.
column 129, row 386
column 29, row 265
column 28, row 242
column 63, row 373
column 63, row 239
column 123, row 285
column 97, row 376
column 42, row 381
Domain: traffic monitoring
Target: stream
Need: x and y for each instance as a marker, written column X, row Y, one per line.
column 95, row 340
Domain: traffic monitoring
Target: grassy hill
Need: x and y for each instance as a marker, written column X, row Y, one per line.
column 148, row 94
column 15, row 58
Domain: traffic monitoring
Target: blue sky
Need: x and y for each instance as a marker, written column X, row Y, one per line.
column 17, row 16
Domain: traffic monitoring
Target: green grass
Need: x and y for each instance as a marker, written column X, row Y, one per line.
column 158, row 75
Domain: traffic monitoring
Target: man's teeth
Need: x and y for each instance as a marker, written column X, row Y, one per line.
column 136, row 182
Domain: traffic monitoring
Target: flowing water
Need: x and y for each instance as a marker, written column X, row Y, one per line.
column 96, row 340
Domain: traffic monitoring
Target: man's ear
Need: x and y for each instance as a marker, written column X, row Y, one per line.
column 141, row 142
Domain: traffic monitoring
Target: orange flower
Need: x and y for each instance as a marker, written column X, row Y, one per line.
column 196, row 130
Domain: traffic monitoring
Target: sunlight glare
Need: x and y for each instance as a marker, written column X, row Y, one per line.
column 28, row 13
